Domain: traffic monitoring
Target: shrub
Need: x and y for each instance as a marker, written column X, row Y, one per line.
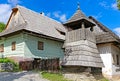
column 6, row 60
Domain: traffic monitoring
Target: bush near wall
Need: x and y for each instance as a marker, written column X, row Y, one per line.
column 8, row 65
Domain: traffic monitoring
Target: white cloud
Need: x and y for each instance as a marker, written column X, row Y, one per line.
column 114, row 6
column 117, row 31
column 5, row 10
column 104, row 4
column 14, row 2
column 99, row 15
column 48, row 14
column 57, row 14
column 60, row 16
column 63, row 18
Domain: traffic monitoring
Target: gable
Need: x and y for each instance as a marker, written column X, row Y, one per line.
column 15, row 19
column 98, row 30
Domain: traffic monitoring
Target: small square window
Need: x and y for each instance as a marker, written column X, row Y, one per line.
column 40, row 45
column 13, row 46
column 2, row 48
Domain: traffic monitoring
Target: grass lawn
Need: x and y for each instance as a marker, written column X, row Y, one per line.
column 53, row 76
column 104, row 79
column 60, row 77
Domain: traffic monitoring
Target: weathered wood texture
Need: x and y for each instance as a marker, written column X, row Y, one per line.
column 104, row 38
column 81, row 50
column 103, row 34
column 79, row 34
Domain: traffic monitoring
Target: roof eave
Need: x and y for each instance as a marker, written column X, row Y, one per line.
column 80, row 20
column 31, row 33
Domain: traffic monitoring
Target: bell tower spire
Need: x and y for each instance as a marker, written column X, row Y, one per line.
column 78, row 5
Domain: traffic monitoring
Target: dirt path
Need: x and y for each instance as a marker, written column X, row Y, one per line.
column 20, row 76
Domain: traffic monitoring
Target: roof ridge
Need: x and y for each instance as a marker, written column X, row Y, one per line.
column 18, row 6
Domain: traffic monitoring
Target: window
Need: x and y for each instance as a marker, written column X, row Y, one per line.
column 13, row 46
column 117, row 58
column 40, row 45
column 114, row 59
column 2, row 48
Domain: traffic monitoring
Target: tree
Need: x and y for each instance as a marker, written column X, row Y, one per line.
column 2, row 26
column 118, row 4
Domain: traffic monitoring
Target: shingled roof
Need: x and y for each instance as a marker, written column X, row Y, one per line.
column 35, row 22
column 107, row 36
column 79, row 16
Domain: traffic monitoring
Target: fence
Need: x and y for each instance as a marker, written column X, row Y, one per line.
column 41, row 64
column 26, row 65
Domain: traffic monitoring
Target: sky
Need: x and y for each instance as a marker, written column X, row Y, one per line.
column 104, row 11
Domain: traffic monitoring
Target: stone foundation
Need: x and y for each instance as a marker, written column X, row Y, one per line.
column 84, row 76
column 6, row 66
column 79, row 69
column 112, row 77
column 80, row 73
column 115, row 78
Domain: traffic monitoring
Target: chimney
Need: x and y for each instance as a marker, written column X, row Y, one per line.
column 42, row 13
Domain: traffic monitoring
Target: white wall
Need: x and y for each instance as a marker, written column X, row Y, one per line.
column 115, row 68
column 108, row 52
column 105, row 53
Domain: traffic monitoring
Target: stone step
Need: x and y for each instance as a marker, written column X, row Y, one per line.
column 80, row 77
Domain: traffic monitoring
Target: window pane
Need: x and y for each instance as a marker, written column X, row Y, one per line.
column 13, row 45
column 2, row 48
column 40, row 45
column 117, row 57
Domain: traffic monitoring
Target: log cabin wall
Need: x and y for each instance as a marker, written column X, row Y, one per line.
column 80, row 49
column 76, row 35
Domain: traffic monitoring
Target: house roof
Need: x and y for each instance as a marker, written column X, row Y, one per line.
column 37, row 23
column 107, row 36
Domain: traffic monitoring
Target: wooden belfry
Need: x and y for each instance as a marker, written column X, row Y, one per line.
column 80, row 44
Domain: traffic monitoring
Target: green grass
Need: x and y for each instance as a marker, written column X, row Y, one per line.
column 104, row 79
column 53, row 76
column 60, row 77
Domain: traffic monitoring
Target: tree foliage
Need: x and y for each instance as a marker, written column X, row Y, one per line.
column 118, row 4
column 2, row 26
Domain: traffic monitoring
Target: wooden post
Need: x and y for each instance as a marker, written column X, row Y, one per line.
column 83, row 31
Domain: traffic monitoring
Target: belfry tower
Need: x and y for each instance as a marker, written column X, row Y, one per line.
column 80, row 43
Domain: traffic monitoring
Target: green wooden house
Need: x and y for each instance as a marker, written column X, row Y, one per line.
column 31, row 35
